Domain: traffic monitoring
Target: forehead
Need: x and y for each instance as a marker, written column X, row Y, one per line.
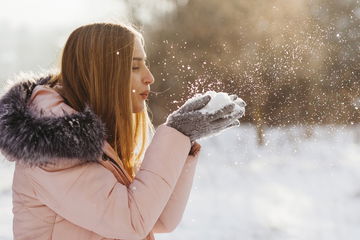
column 139, row 51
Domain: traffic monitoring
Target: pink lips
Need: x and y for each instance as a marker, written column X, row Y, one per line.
column 145, row 94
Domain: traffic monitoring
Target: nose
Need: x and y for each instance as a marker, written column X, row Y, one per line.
column 148, row 78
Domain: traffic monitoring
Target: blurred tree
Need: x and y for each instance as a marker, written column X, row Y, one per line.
column 293, row 62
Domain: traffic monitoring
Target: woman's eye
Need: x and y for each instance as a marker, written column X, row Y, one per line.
column 135, row 68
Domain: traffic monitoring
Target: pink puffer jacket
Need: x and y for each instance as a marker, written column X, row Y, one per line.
column 87, row 200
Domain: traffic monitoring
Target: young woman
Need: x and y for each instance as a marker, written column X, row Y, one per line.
column 79, row 139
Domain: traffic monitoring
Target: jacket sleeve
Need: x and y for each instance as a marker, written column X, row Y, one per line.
column 174, row 209
column 90, row 196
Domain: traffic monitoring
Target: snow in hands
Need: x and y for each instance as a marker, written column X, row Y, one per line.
column 206, row 115
column 221, row 99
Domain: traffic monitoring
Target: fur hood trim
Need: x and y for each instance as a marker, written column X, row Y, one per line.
column 35, row 140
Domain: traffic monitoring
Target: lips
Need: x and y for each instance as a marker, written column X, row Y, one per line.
column 145, row 94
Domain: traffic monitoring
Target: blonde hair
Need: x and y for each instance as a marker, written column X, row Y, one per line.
column 96, row 70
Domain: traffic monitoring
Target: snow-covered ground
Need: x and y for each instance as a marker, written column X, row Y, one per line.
column 294, row 187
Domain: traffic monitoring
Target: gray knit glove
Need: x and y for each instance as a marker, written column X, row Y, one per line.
column 196, row 124
column 238, row 101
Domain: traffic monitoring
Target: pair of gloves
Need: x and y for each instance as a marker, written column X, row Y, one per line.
column 195, row 124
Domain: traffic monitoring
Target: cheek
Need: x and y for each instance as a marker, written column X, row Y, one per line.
column 137, row 103
column 132, row 82
column 135, row 84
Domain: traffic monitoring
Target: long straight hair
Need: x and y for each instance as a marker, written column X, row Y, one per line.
column 96, row 70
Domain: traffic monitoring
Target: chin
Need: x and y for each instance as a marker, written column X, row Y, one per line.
column 138, row 109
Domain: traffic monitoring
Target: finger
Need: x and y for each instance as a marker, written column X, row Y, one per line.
column 240, row 102
column 228, row 119
column 223, row 122
column 219, row 129
column 195, row 103
column 233, row 97
column 226, row 110
column 235, row 123
column 181, row 116
column 238, row 113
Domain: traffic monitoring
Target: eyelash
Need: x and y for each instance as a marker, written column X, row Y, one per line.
column 146, row 63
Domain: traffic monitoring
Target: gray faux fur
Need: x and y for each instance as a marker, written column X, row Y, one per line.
column 36, row 140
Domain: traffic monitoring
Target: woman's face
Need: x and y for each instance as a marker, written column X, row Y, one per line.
column 141, row 78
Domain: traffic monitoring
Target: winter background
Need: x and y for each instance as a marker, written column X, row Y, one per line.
column 291, row 188
column 275, row 176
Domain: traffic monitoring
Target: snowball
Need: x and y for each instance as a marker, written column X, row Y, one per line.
column 219, row 100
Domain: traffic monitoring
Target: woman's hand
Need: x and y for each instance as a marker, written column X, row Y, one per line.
column 190, row 121
column 238, row 101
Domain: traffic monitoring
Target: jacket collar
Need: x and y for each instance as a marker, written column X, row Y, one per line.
column 35, row 140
